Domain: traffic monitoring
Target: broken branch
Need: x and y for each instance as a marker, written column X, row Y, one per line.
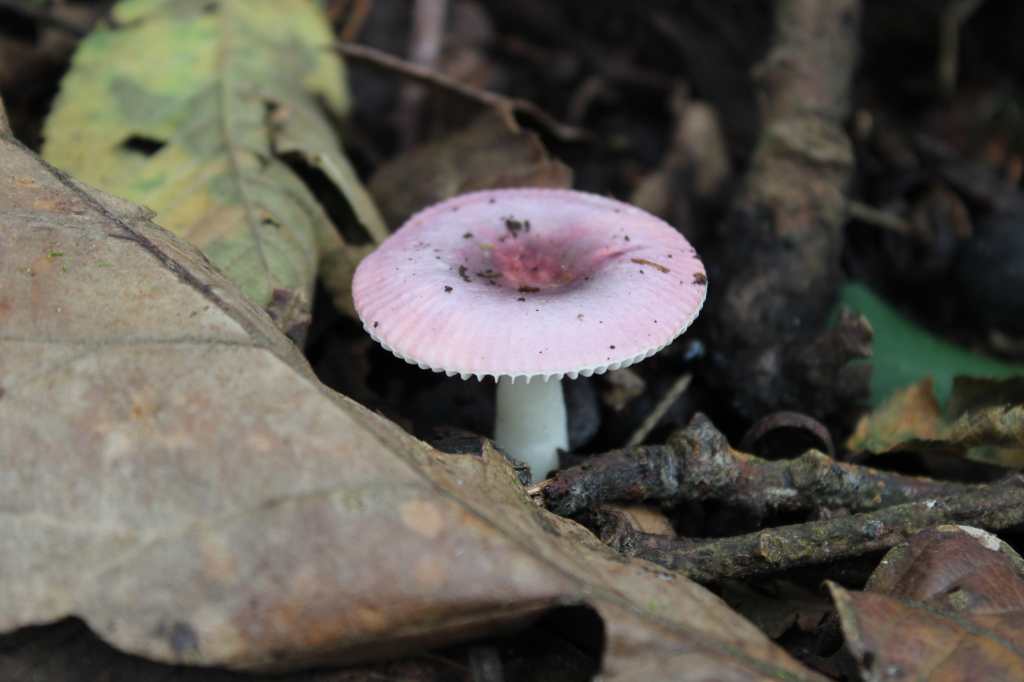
column 506, row 106
column 698, row 464
column 773, row 550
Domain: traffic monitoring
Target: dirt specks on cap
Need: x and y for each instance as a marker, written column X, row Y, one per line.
column 514, row 226
column 656, row 266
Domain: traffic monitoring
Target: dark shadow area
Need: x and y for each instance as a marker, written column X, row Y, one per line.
column 566, row 644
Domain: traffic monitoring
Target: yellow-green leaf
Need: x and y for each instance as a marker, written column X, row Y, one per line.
column 189, row 107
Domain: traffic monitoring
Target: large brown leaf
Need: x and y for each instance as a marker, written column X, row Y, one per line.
column 171, row 472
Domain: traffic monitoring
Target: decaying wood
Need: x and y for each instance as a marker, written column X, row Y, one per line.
column 775, row 267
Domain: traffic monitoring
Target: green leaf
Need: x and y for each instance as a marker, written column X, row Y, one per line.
column 190, row 106
column 905, row 353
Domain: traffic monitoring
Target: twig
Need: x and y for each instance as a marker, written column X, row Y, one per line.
column 5, row 125
column 877, row 217
column 786, row 419
column 503, row 104
column 425, row 42
column 667, row 400
column 773, row 550
column 954, row 15
column 355, row 12
column 44, row 17
column 698, row 464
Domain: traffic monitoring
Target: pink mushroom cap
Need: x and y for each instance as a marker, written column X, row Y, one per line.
column 526, row 283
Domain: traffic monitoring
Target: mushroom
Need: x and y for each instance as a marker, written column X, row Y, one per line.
column 529, row 286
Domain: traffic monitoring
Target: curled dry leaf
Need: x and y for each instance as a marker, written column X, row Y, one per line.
column 946, row 604
column 984, row 420
column 175, row 476
column 909, row 413
column 196, row 109
column 953, row 568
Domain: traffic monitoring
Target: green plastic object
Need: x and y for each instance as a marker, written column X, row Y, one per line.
column 905, row 352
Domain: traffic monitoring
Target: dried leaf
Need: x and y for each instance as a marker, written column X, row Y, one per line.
column 984, row 421
column 189, row 107
column 953, row 568
column 946, row 605
column 908, row 414
column 175, row 476
column 485, row 155
column 900, row 640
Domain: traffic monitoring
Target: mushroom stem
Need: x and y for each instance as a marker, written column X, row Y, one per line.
column 530, row 424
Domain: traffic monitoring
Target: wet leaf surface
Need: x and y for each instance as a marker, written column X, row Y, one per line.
column 176, row 477
column 201, row 127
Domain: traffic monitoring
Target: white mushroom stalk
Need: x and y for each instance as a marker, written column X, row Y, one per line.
column 530, row 424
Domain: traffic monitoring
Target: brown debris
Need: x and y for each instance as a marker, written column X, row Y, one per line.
column 514, row 226
column 694, row 173
column 488, row 154
column 656, row 266
column 291, row 313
